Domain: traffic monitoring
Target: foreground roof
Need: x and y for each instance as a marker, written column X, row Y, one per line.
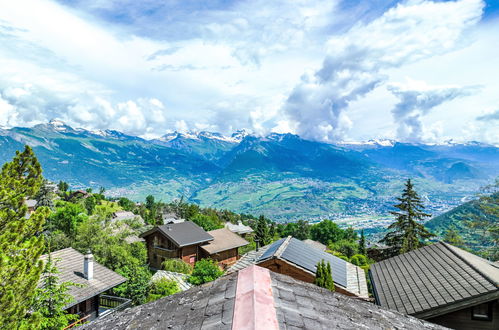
column 69, row 262
column 182, row 234
column 223, row 240
column 256, row 298
column 434, row 280
column 306, row 257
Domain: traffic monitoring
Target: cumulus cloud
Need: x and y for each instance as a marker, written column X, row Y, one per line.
column 357, row 60
column 417, row 99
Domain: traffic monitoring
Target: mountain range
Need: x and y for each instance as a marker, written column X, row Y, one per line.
column 280, row 175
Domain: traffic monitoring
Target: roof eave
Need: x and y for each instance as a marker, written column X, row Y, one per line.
column 458, row 305
column 95, row 294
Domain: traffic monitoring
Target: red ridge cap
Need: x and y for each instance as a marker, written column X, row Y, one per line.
column 254, row 306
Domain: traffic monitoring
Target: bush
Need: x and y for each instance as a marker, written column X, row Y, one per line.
column 205, row 270
column 177, row 266
column 346, row 247
column 359, row 260
column 162, row 288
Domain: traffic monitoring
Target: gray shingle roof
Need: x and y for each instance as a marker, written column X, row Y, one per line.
column 247, row 259
column 431, row 280
column 182, row 234
column 298, row 305
column 306, row 256
column 315, row 244
column 69, row 262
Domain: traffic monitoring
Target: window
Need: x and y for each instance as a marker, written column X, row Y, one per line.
column 482, row 312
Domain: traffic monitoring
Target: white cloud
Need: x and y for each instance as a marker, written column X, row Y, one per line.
column 309, row 67
column 357, row 61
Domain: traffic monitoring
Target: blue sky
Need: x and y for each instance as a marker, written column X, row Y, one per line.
column 415, row 70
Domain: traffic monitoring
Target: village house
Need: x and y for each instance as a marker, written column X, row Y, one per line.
column 176, row 240
column 256, row 298
column 190, row 243
column 298, row 259
column 92, row 279
column 442, row 284
column 224, row 248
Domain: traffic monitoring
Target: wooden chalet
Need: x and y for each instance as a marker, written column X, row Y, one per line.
column 93, row 280
column 176, row 240
column 442, row 284
column 190, row 243
column 298, row 259
column 224, row 248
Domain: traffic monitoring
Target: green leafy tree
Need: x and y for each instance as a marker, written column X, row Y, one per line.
column 177, row 266
column 345, row 247
column 51, row 298
column 262, row 233
column 62, row 186
column 126, row 204
column 21, row 245
column 137, row 285
column 326, row 232
column 299, row 230
column 359, row 260
column 205, row 270
column 162, row 288
column 67, row 219
column 323, row 276
column 452, row 237
column 90, row 203
column 206, row 222
column 362, row 243
column 407, row 233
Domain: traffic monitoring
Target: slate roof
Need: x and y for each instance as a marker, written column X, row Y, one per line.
column 291, row 304
column 182, row 234
column 248, row 259
column 306, row 257
column 181, row 279
column 434, row 280
column 315, row 244
column 69, row 262
column 239, row 228
column 223, row 240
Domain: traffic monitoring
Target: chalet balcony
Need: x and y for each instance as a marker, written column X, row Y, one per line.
column 107, row 306
column 165, row 253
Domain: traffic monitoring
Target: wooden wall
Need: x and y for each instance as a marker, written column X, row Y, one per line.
column 282, row 267
column 224, row 258
column 461, row 320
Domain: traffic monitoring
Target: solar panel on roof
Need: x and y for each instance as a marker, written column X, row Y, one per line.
column 271, row 250
column 307, row 257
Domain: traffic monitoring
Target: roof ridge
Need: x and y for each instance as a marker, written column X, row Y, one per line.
column 485, row 276
column 283, row 247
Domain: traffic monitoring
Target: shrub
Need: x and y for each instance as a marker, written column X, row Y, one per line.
column 177, row 266
column 205, row 270
column 359, row 260
column 162, row 288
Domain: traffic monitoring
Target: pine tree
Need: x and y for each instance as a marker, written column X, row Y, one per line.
column 262, row 231
column 452, row 237
column 51, row 298
column 45, row 196
column 20, row 241
column 362, row 243
column 407, row 233
column 328, row 281
column 319, row 274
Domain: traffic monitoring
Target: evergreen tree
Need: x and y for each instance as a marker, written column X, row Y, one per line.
column 45, row 196
column 362, row 243
column 407, row 233
column 323, row 276
column 51, row 298
column 62, row 186
column 20, row 243
column 262, row 233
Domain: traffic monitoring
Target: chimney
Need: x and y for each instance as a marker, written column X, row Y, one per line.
column 88, row 266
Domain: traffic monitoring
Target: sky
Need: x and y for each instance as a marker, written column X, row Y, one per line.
column 337, row 70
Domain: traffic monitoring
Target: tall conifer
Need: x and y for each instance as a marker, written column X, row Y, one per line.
column 407, row 233
column 20, row 242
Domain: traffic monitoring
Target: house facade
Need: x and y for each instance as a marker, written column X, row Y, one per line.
column 442, row 284
column 224, row 248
